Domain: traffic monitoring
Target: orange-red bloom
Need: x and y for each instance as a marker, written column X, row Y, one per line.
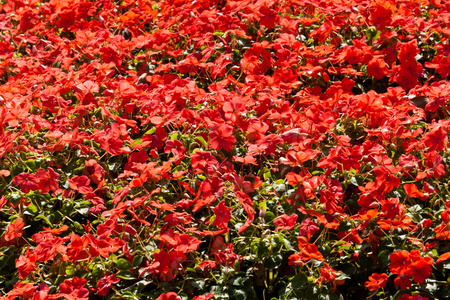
column 376, row 281
column 14, row 230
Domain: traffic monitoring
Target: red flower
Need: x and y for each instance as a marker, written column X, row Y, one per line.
column 328, row 274
column 203, row 161
column 377, row 68
column 166, row 264
column 256, row 60
column 77, row 248
column 403, row 223
column 400, row 262
column 178, row 242
column 307, row 251
column 435, row 139
column 168, row 296
column 14, row 230
column 285, row 222
column 221, row 137
column 104, row 284
column 247, row 204
column 412, row 191
column 350, row 236
column 48, row 246
column 223, row 215
column 381, row 15
column 74, row 289
column 104, row 245
column 94, row 171
column 227, row 257
column 414, row 297
column 47, row 180
column 297, row 158
column 443, row 257
column 268, row 17
column 245, row 160
column 25, row 290
column 80, row 184
column 207, row 265
column 403, row 281
column 376, row 281
column 234, row 108
column 27, row 182
column 353, row 55
column 441, row 64
column 420, row 266
column 385, row 179
column 26, row 264
column 406, row 265
column 114, row 146
column 308, row 228
column 204, row 297
column 392, row 208
column 408, row 52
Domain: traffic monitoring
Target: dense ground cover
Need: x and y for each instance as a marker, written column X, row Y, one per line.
column 224, row 150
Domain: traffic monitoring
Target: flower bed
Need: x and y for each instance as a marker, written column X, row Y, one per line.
column 224, row 150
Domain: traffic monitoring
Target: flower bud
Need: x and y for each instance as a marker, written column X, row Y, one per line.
column 262, row 212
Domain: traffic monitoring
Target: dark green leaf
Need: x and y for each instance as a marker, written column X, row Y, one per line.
column 273, row 262
column 198, row 284
column 122, row 264
column 299, row 281
column 126, row 275
column 137, row 260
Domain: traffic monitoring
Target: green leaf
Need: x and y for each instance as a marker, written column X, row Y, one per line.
column 260, row 247
column 299, row 281
column 218, row 32
column 269, row 217
column 70, row 270
column 151, row 131
column 202, row 141
column 137, row 260
column 415, row 217
column 237, row 281
column 31, row 164
column 125, row 275
column 383, row 259
column 175, row 136
column 357, row 181
column 83, row 211
column 15, row 198
column 30, row 210
column 279, row 188
column 136, row 142
column 97, row 271
column 267, row 174
column 288, row 245
column 273, row 262
column 372, row 33
column 238, row 294
column 221, row 296
column 122, row 264
column 44, row 218
column 313, row 292
column 329, row 296
column 198, row 284
column 76, row 226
